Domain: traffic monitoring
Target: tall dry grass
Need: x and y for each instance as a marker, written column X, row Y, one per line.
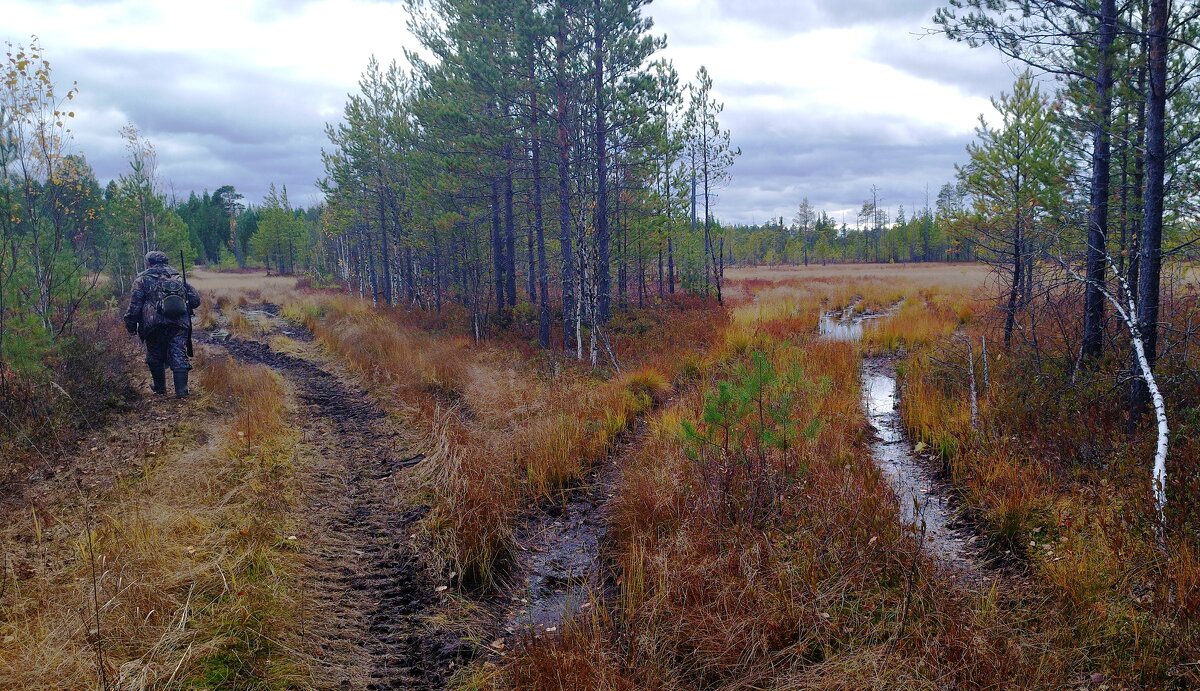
column 915, row 323
column 824, row 591
column 1053, row 479
column 190, row 586
column 499, row 433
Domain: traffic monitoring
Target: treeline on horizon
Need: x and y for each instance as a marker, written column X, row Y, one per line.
column 926, row 234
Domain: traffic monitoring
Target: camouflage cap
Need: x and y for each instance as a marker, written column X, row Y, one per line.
column 156, row 258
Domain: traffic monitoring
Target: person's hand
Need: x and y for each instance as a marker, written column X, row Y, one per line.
column 131, row 326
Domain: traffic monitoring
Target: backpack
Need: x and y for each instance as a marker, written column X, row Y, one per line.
column 172, row 298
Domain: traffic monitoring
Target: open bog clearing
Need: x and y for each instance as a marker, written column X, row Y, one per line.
column 789, row 491
column 241, row 282
column 964, row 275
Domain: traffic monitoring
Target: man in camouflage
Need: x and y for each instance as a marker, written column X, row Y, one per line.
column 165, row 337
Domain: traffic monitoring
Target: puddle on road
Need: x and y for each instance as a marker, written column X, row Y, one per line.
column 561, row 551
column 559, row 568
column 922, row 496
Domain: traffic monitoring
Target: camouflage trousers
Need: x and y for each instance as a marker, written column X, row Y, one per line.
column 168, row 346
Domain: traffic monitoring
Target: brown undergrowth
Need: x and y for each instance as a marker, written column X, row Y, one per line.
column 178, row 576
column 60, row 391
column 1052, row 474
column 756, row 545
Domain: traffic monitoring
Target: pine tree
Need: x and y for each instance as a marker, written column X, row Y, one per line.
column 1015, row 176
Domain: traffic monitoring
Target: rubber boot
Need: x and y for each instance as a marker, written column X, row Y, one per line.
column 181, row 384
column 158, row 377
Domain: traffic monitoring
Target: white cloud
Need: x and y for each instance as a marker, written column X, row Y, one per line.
column 211, row 83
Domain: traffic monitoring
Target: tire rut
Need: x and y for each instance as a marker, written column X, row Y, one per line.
column 559, row 566
column 927, row 501
column 369, row 582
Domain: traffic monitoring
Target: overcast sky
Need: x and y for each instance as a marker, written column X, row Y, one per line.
column 824, row 97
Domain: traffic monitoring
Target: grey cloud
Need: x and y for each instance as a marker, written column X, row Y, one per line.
column 237, row 124
column 269, row 10
column 792, row 16
column 217, row 121
column 833, row 164
column 976, row 71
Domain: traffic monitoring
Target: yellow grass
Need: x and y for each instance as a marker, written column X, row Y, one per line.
column 190, row 558
column 207, row 280
column 705, row 604
column 958, row 276
column 498, row 432
column 242, row 288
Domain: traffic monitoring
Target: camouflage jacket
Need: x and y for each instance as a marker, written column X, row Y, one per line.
column 143, row 303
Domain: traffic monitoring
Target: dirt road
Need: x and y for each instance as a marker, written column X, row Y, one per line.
column 369, row 589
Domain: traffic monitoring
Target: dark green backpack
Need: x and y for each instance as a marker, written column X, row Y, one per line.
column 172, row 298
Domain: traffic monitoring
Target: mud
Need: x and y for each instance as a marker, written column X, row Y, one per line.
column 559, row 567
column 370, row 587
column 926, row 501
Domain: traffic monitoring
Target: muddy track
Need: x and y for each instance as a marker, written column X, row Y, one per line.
column 559, row 563
column 927, row 500
column 370, row 587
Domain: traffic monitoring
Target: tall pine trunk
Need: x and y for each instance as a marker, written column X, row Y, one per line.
column 565, row 236
column 535, row 151
column 603, row 280
column 497, row 247
column 510, row 240
column 384, row 247
column 1150, row 242
column 1139, row 166
column 670, row 244
column 1014, row 291
column 1097, row 236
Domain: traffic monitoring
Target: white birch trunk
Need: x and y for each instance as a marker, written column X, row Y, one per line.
column 1129, row 315
column 986, row 382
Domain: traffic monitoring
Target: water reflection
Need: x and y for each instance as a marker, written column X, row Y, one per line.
column 879, row 396
column 839, row 330
column 922, row 499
